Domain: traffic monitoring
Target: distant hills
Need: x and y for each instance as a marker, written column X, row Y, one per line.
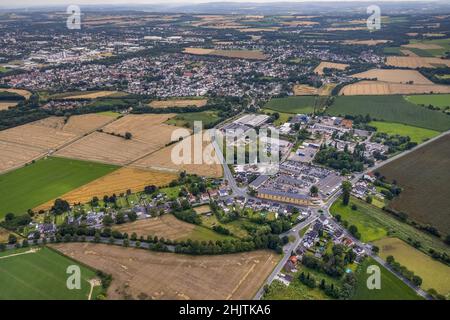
column 270, row 8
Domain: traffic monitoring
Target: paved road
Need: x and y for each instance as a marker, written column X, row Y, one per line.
column 287, row 251
column 375, row 257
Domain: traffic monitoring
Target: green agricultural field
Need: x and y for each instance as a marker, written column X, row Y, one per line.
column 433, row 273
column 438, row 52
column 415, row 133
column 201, row 233
column 396, row 228
column 393, row 51
column 392, row 288
column 187, row 119
column 293, row 105
column 235, row 227
column 437, row 100
column 41, row 275
column 295, row 291
column 369, row 228
column 390, row 109
column 284, row 117
column 44, row 180
column 171, row 192
column 109, row 114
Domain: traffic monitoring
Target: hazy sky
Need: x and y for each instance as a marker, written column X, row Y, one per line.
column 17, row 3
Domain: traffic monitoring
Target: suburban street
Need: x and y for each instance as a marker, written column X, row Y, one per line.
column 288, row 248
column 236, row 191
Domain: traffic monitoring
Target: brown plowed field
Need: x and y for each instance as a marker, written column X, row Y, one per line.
column 425, row 177
column 116, row 182
column 143, row 274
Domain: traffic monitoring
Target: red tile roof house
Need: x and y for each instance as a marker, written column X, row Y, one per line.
column 213, row 193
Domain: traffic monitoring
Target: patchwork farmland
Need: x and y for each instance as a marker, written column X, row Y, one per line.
column 173, row 276
column 424, row 176
column 162, row 159
column 148, row 134
column 31, row 141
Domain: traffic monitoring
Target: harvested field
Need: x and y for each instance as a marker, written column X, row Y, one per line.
column 53, row 132
column 306, row 90
column 423, row 46
column 365, row 42
column 16, row 155
column 24, row 93
column 199, row 51
column 416, row 62
column 239, row 54
column 166, row 226
column 408, row 53
column 387, row 88
column 299, row 23
column 271, row 29
column 86, row 123
column 7, row 105
column 396, row 76
column 162, row 159
column 105, row 148
column 433, row 273
column 146, row 128
column 424, row 176
column 45, row 134
column 116, row 182
column 91, row 95
column 329, row 65
column 178, row 103
column 154, row 275
column 346, row 28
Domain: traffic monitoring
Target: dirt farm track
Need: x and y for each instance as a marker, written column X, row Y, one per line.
column 143, row 274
